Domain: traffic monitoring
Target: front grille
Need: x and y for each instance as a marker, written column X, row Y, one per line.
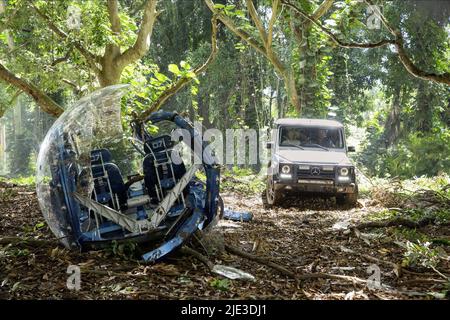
column 316, row 172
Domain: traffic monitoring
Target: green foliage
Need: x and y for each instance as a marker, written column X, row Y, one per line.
column 220, row 284
column 7, row 194
column 437, row 184
column 24, row 180
column 242, row 180
column 148, row 83
column 39, row 225
column 416, row 155
column 36, row 227
column 410, row 235
column 231, row 11
column 410, row 214
column 241, row 88
column 125, row 250
column 16, row 252
column 421, row 255
column 413, row 140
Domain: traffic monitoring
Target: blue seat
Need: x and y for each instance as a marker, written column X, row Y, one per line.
column 157, row 162
column 106, row 174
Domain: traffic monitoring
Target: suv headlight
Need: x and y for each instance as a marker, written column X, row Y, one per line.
column 285, row 169
column 344, row 172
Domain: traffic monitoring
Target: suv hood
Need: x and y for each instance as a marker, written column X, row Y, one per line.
column 313, row 156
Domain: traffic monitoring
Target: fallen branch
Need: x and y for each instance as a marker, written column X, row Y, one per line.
column 27, row 241
column 7, row 185
column 331, row 276
column 191, row 252
column 280, row 269
column 289, row 273
column 397, row 222
column 420, row 281
column 396, row 267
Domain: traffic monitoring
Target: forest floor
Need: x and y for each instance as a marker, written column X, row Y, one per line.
column 314, row 239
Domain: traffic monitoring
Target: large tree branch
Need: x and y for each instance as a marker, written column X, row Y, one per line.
column 286, row 73
column 91, row 58
column 182, row 82
column 382, row 18
column 113, row 13
column 266, row 37
column 322, row 9
column 142, row 43
column 403, row 56
column 397, row 42
column 112, row 50
column 414, row 70
column 256, row 20
column 273, row 19
column 11, row 16
column 43, row 100
column 331, row 34
column 246, row 37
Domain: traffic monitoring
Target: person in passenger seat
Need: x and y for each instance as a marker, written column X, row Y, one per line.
column 324, row 139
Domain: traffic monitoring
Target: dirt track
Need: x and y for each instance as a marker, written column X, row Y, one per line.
column 299, row 236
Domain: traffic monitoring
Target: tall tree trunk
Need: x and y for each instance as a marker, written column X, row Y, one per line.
column 291, row 88
column 203, row 107
column 280, row 111
column 2, row 146
column 393, row 121
column 110, row 72
column 424, row 108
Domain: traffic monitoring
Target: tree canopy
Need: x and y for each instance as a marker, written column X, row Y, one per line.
column 383, row 65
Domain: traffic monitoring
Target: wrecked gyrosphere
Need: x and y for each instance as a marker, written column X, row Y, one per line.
column 96, row 185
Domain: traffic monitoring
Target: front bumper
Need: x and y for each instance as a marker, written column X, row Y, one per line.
column 315, row 185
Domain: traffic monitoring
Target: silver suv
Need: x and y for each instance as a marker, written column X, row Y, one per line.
column 310, row 155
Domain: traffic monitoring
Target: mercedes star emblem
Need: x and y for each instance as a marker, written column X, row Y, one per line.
column 315, row 171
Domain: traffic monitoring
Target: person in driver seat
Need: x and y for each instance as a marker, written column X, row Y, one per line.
column 324, row 139
column 292, row 137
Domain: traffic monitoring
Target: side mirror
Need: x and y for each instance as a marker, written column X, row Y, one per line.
column 351, row 149
column 269, row 145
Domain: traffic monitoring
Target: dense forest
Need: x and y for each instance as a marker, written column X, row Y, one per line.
column 312, row 59
column 380, row 67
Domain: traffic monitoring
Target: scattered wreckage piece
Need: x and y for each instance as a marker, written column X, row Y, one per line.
column 237, row 215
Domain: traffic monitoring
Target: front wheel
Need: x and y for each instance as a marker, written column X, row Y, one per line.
column 273, row 196
column 350, row 199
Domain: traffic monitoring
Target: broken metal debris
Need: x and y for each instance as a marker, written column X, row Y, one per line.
column 237, row 215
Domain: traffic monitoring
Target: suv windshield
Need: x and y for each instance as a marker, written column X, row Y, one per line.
column 314, row 137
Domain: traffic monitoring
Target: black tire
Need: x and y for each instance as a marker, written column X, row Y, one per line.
column 273, row 196
column 350, row 199
column 221, row 207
